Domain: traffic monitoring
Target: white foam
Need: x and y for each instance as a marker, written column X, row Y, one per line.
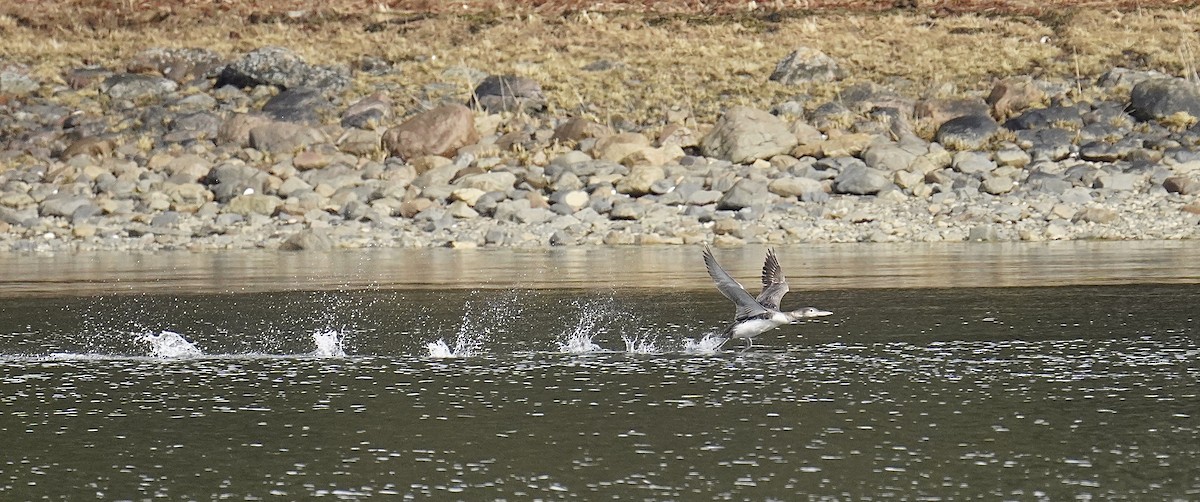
column 439, row 349
column 465, row 345
column 593, row 319
column 639, row 345
column 329, row 344
column 708, row 344
column 170, row 345
column 578, row 343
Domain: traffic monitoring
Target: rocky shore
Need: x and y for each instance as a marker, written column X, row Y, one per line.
column 191, row 149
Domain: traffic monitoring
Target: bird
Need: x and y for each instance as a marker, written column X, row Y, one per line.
column 755, row 316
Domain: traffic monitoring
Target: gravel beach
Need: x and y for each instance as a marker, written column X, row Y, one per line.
column 180, row 146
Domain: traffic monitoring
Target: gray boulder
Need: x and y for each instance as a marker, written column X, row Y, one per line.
column 63, row 205
column 1159, row 98
column 15, row 80
column 192, row 126
column 231, row 179
column 861, row 180
column 181, row 65
column 967, row 132
column 285, row 137
column 743, row 135
column 247, row 205
column 297, row 104
column 976, row 163
column 132, row 86
column 805, row 65
column 745, row 193
column 792, row 186
column 500, row 93
column 308, row 240
column 284, row 69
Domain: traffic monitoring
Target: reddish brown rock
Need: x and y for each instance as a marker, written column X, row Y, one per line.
column 1182, row 185
column 1013, row 95
column 440, row 131
column 236, row 129
column 579, row 128
column 92, row 146
column 939, row 111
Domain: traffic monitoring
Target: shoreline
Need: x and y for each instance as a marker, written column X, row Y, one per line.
column 177, row 147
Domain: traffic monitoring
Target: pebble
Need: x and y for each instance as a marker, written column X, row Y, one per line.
column 190, row 149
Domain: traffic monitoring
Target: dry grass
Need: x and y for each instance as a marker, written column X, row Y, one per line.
column 677, row 56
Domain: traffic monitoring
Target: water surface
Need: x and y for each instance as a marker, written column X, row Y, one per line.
column 1074, row 386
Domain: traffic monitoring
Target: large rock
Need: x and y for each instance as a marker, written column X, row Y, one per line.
column 247, row 205
column 284, row 69
column 937, row 111
column 805, row 65
column 285, row 137
column 495, row 181
column 234, row 178
column 579, row 128
column 968, row 132
column 135, row 86
column 368, row 113
column 861, row 180
column 792, row 186
column 889, row 156
column 236, row 129
column 440, row 131
column 307, row 240
column 640, row 180
column 183, row 64
column 1065, row 117
column 1095, row 215
column 297, row 104
column 193, row 126
column 187, row 197
column 1013, row 95
column 62, row 205
column 15, row 80
column 616, row 147
column 500, row 93
column 745, row 193
column 1159, row 98
column 743, row 135
column 1182, row 185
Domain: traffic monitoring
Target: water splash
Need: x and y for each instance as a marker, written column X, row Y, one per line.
column 578, row 343
column 639, row 345
column 708, row 344
column 170, row 345
column 329, row 344
column 439, row 349
column 464, row 346
column 479, row 325
column 594, row 317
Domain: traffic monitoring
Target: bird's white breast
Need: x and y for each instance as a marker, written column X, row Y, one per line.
column 750, row 329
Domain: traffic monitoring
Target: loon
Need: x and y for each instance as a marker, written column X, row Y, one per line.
column 755, row 316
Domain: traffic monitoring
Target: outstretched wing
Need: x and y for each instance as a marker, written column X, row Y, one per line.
column 774, row 284
column 745, row 304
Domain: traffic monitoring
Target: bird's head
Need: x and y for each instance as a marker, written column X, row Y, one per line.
column 806, row 313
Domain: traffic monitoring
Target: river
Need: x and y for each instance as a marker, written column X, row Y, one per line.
column 1011, row 371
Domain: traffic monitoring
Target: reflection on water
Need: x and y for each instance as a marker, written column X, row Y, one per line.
column 810, row 267
column 937, row 394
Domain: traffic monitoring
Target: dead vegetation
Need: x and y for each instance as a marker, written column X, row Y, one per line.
column 655, row 58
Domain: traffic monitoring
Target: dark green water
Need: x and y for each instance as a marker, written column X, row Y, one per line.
column 1067, row 392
